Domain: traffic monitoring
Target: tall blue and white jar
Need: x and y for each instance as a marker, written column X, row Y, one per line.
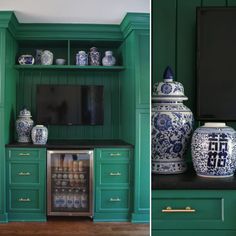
column 214, row 150
column 24, row 125
column 82, row 58
column 172, row 126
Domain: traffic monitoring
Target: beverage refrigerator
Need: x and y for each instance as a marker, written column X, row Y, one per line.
column 69, row 183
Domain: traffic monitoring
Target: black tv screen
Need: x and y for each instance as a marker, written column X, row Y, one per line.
column 216, row 64
column 70, row 105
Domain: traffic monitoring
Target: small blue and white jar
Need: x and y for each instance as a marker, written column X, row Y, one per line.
column 26, row 60
column 94, row 57
column 24, row 125
column 108, row 60
column 172, row 126
column 82, row 58
column 39, row 135
column 47, row 57
column 214, row 150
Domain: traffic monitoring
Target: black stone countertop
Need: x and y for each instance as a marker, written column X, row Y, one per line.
column 74, row 144
column 189, row 180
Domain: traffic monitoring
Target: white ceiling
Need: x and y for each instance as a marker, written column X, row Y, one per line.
column 73, row 11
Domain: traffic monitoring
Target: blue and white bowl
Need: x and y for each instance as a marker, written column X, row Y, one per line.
column 214, row 150
column 26, row 60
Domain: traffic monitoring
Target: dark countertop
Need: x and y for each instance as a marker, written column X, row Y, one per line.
column 189, row 180
column 74, row 144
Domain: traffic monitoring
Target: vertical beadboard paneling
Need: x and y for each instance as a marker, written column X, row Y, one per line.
column 164, row 33
column 214, row 3
column 110, row 80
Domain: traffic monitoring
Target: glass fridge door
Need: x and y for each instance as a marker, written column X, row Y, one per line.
column 69, row 175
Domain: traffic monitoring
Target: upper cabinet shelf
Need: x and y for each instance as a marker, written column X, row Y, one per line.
column 69, row 67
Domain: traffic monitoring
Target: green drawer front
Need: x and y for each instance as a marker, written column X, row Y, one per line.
column 112, row 200
column 114, row 173
column 24, row 173
column 23, row 154
column 24, row 199
column 114, row 154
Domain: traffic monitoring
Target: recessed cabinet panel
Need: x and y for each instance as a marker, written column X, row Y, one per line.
column 113, row 200
column 24, row 199
column 24, row 173
column 115, row 174
column 24, row 154
column 114, row 154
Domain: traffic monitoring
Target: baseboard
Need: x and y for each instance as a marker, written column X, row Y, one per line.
column 27, row 217
column 3, row 218
column 140, row 218
column 111, row 217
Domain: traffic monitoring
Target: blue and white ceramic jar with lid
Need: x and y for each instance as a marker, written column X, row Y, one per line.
column 39, row 135
column 172, row 126
column 214, row 150
column 24, row 125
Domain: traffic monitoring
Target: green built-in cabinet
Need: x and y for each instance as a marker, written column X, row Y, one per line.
column 174, row 44
column 113, row 184
column 126, row 88
column 26, row 184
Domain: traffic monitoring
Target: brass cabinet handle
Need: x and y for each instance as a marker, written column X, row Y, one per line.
column 186, row 210
column 115, row 199
column 115, row 174
column 24, row 173
column 115, row 154
column 24, row 200
column 24, row 154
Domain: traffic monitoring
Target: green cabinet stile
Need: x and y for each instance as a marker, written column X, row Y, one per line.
column 26, row 184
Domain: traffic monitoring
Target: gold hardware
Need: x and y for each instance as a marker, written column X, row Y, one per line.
column 115, row 154
column 115, row 199
column 24, row 173
column 24, row 154
column 115, row 174
column 186, row 210
column 24, row 200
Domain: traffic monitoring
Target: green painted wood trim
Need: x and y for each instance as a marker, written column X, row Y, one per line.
column 135, row 21
column 27, row 217
column 140, row 218
column 68, row 67
column 2, row 65
column 8, row 20
column 4, row 218
column 193, row 232
column 111, row 217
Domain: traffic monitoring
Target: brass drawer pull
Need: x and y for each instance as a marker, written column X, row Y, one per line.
column 186, row 210
column 24, row 154
column 24, row 173
column 115, row 174
column 115, row 199
column 24, row 200
column 115, row 154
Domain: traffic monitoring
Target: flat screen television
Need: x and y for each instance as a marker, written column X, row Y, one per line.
column 70, row 105
column 216, row 64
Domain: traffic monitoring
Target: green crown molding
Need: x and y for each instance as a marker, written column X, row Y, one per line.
column 135, row 21
column 96, row 32
column 8, row 20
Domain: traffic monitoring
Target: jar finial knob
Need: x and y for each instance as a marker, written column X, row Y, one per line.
column 168, row 74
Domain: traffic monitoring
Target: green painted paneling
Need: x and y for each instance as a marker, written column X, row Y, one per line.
column 26, row 96
column 214, row 2
column 2, row 65
column 193, row 232
column 10, row 88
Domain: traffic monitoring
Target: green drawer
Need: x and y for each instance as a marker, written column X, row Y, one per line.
column 112, row 200
column 24, row 173
column 114, row 173
column 24, row 200
column 23, row 154
column 114, row 154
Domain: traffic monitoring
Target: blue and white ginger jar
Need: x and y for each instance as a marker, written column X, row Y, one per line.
column 39, row 135
column 214, row 150
column 172, row 126
column 24, row 125
column 82, row 58
column 108, row 60
column 94, row 57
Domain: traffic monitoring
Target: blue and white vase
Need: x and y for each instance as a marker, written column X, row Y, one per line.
column 82, row 58
column 94, row 57
column 108, row 60
column 24, row 125
column 172, row 125
column 39, row 135
column 214, row 150
column 47, row 57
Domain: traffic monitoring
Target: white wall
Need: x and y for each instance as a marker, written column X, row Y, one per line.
column 73, row 11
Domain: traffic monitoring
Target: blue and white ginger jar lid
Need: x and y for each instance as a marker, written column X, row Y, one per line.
column 169, row 90
column 25, row 113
